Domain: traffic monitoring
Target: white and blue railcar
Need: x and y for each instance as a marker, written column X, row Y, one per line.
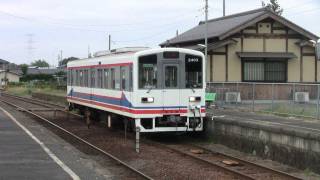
column 158, row 90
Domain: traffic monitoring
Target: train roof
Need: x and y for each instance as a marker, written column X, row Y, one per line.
column 129, row 54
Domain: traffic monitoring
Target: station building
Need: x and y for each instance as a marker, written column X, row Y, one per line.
column 9, row 76
column 254, row 46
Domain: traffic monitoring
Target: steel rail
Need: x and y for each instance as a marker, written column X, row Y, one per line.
column 33, row 100
column 281, row 173
column 231, row 171
column 40, row 103
column 81, row 140
column 224, row 167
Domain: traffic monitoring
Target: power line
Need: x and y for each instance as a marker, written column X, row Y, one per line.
column 95, row 30
column 75, row 26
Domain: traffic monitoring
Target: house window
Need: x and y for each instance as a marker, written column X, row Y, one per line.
column 265, row 71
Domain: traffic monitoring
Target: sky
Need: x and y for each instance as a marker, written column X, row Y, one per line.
column 41, row 29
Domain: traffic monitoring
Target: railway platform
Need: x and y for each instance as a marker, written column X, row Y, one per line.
column 310, row 126
column 289, row 140
column 29, row 151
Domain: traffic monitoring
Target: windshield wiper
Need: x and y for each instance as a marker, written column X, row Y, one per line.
column 191, row 87
column 150, row 89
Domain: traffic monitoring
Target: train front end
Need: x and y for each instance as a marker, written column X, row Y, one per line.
column 170, row 92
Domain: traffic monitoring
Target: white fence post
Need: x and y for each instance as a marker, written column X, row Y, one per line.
column 318, row 96
column 253, row 95
column 272, row 105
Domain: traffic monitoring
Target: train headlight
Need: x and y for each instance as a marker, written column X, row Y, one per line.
column 147, row 100
column 194, row 99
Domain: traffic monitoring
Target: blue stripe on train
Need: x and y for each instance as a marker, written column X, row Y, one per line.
column 123, row 101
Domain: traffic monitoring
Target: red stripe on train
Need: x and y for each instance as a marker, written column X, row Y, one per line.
column 101, row 65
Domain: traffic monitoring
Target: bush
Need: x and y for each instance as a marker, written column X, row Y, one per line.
column 40, row 77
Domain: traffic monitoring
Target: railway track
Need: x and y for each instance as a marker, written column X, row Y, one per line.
column 83, row 141
column 35, row 101
column 241, row 168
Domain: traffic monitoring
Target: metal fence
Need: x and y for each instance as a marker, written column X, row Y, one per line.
column 287, row 99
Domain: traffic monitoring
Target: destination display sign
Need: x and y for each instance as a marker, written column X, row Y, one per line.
column 171, row 55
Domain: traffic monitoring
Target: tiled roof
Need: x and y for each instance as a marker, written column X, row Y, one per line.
column 225, row 26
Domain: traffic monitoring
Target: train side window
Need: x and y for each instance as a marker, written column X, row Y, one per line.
column 93, row 78
column 117, row 78
column 77, row 78
column 81, row 78
column 130, row 78
column 71, row 77
column 86, row 78
column 68, row 78
column 113, row 78
column 106, row 79
column 74, row 78
column 99, row 81
column 123, row 76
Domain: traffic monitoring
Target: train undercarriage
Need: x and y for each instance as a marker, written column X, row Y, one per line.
column 166, row 123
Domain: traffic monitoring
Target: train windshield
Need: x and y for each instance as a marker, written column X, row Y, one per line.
column 193, row 67
column 148, row 72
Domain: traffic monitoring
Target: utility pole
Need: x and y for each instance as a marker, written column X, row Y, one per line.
column 206, row 31
column 224, row 7
column 109, row 42
column 89, row 54
column 61, row 55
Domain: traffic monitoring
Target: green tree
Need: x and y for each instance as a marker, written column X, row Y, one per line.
column 40, row 63
column 64, row 61
column 24, row 68
column 274, row 6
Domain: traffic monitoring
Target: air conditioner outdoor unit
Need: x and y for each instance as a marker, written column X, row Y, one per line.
column 233, row 97
column 301, row 97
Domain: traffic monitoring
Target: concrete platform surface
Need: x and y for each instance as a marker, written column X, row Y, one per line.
column 23, row 157
column 268, row 120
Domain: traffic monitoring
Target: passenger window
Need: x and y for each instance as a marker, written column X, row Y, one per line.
column 123, row 78
column 81, row 78
column 86, row 78
column 68, row 78
column 171, row 76
column 117, row 78
column 130, row 79
column 93, row 78
column 148, row 72
column 77, row 78
column 71, row 77
column 99, row 82
column 113, row 78
column 106, row 79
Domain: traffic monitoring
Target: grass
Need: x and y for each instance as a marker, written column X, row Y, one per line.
column 25, row 90
column 303, row 110
column 50, row 91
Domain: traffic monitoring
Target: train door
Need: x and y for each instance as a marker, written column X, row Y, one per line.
column 171, row 87
column 125, row 95
column 70, row 82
